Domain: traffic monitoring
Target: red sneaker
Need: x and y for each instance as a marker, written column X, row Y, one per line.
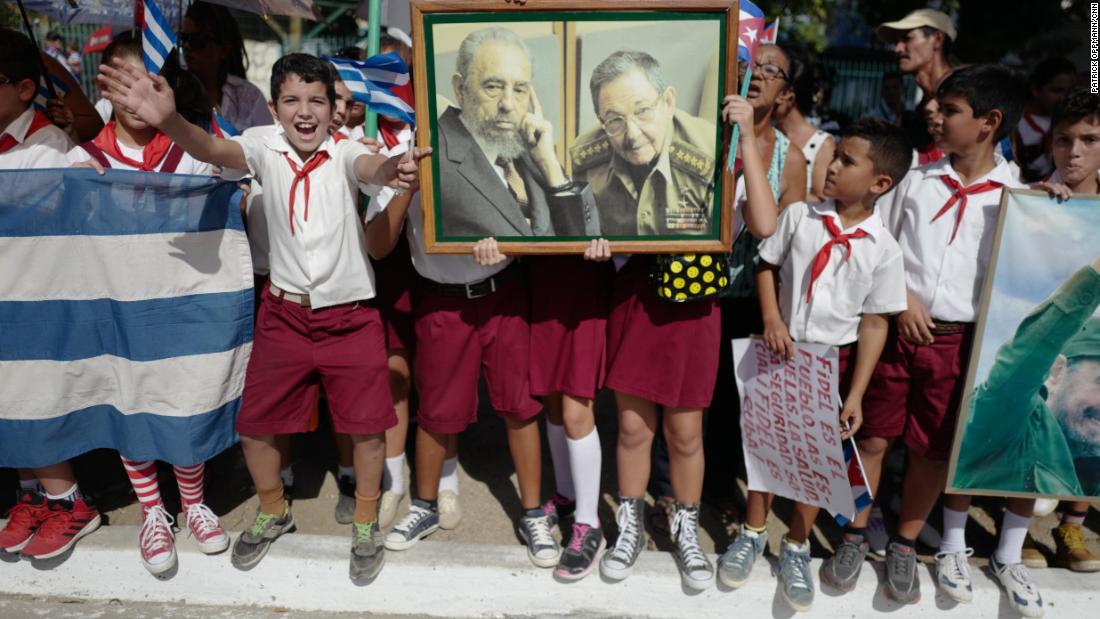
column 65, row 523
column 206, row 529
column 24, row 519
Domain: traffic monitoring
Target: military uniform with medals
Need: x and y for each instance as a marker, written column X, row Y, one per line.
column 675, row 198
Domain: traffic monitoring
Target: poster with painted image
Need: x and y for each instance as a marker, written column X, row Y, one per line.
column 1029, row 422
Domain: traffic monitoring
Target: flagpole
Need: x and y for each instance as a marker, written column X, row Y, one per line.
column 735, row 132
column 374, row 32
column 37, row 56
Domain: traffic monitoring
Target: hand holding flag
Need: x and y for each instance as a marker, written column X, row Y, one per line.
column 750, row 24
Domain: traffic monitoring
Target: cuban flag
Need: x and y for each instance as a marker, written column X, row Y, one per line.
column 750, row 27
column 60, row 86
column 861, row 494
column 771, row 33
column 126, row 318
column 370, row 81
column 221, row 127
column 157, row 37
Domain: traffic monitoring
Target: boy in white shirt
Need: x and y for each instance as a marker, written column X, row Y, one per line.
column 315, row 321
column 840, row 275
column 944, row 215
column 50, row 514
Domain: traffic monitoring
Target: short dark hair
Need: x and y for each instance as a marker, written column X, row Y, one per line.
column 1047, row 70
column 19, row 57
column 54, row 35
column 1078, row 105
column 617, row 65
column 308, row 68
column 889, row 147
column 987, row 87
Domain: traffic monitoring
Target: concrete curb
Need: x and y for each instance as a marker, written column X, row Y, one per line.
column 309, row 572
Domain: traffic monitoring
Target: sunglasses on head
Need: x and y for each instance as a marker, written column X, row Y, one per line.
column 195, row 40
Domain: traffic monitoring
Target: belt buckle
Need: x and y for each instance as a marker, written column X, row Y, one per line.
column 470, row 294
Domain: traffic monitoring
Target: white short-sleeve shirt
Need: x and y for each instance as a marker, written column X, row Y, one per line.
column 945, row 276
column 870, row 281
column 326, row 256
column 440, row 268
column 45, row 148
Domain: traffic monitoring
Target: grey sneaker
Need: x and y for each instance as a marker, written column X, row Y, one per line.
column 420, row 522
column 953, row 575
column 345, row 500
column 1022, row 592
column 902, row 582
column 796, row 580
column 735, row 566
column 617, row 564
column 696, row 571
column 542, row 548
column 367, row 553
column 841, row 570
column 252, row 544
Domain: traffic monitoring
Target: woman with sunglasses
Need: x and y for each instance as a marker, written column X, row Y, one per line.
column 214, row 53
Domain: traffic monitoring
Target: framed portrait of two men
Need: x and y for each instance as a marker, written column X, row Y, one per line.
column 558, row 122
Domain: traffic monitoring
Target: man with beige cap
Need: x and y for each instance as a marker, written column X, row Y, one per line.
column 922, row 41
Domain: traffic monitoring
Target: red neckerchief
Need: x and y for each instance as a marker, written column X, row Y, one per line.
column 152, row 154
column 318, row 159
column 929, row 154
column 959, row 194
column 390, row 128
column 38, row 121
column 822, row 257
column 1044, row 135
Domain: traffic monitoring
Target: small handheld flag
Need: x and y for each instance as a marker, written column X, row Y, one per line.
column 861, row 494
column 43, row 95
column 750, row 25
column 221, row 127
column 157, row 37
column 771, row 33
column 370, row 80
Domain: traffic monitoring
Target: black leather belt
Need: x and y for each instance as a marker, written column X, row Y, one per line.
column 949, row 328
column 478, row 289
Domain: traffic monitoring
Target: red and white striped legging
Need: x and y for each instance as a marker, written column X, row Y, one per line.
column 143, row 476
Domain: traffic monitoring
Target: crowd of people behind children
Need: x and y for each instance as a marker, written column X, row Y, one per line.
column 870, row 240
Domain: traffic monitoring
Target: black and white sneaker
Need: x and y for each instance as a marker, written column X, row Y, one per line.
column 542, row 548
column 421, row 521
column 617, row 564
column 696, row 571
column 580, row 556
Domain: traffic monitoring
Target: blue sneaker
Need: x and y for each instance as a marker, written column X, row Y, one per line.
column 420, row 522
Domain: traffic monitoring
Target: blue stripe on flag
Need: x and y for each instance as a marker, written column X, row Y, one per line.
column 157, row 37
column 36, row 203
column 42, row 442
column 136, row 330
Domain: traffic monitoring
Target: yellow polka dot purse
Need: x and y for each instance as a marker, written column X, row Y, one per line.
column 690, row 277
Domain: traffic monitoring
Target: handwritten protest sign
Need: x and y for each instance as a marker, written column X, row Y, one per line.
column 790, row 424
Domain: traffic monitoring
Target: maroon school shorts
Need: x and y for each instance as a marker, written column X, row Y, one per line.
column 296, row 350
column 570, row 300
column 396, row 279
column 457, row 337
column 663, row 352
column 915, row 391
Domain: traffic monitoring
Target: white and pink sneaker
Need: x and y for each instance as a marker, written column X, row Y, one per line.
column 158, row 544
column 206, row 529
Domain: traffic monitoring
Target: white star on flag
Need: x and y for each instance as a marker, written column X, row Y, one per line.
column 751, row 33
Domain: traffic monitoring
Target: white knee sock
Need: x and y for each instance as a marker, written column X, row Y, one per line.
column 393, row 476
column 954, row 530
column 585, row 459
column 1011, row 544
column 448, row 479
column 560, row 454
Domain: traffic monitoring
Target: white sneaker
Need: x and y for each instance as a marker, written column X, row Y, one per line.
column 1022, row 592
column 450, row 512
column 877, row 537
column 387, row 508
column 953, row 575
column 1044, row 507
column 157, row 543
